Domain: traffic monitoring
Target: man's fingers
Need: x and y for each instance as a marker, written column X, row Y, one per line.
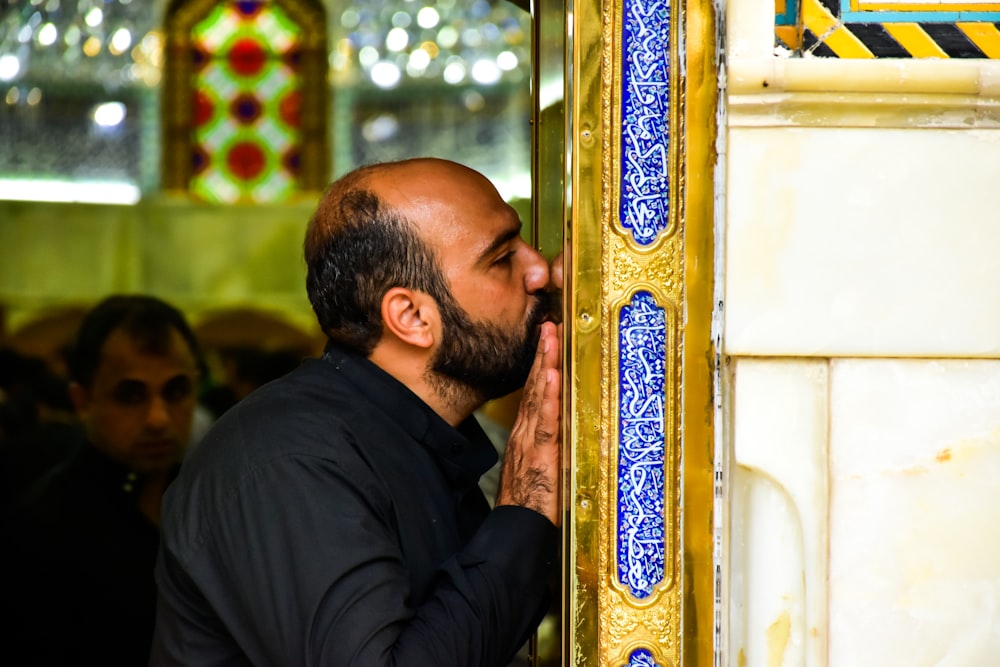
column 539, row 362
column 539, row 388
column 531, row 466
column 535, row 384
column 547, row 426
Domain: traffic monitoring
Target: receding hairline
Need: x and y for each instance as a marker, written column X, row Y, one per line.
column 375, row 179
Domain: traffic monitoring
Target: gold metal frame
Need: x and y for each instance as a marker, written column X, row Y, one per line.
column 700, row 362
column 603, row 623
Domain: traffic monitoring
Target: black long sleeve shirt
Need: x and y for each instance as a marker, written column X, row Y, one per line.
column 332, row 518
column 76, row 569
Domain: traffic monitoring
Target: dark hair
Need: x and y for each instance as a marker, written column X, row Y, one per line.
column 357, row 249
column 146, row 319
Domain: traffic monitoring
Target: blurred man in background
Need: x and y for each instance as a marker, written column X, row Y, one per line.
column 82, row 541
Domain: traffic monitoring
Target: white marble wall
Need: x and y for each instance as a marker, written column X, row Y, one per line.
column 914, row 475
column 779, row 502
column 859, row 242
column 864, row 495
column 860, row 282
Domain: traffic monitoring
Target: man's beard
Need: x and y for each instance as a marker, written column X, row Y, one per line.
column 483, row 359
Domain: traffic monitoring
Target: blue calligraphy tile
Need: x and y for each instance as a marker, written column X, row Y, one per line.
column 641, row 658
column 645, row 186
column 641, row 447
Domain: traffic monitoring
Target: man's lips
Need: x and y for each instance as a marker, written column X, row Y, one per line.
column 157, row 446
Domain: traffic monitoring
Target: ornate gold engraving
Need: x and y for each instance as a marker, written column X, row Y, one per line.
column 605, row 622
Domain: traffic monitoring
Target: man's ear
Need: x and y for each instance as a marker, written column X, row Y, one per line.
column 411, row 316
column 80, row 397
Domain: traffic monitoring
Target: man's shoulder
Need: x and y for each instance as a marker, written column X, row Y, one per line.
column 314, row 382
column 305, row 408
column 309, row 425
column 313, row 413
column 70, row 504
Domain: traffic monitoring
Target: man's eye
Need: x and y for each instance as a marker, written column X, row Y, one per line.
column 177, row 390
column 504, row 259
column 129, row 393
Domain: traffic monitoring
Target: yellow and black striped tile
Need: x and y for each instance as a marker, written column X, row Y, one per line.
column 855, row 29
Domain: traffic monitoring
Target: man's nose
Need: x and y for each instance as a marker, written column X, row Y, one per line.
column 536, row 274
column 158, row 414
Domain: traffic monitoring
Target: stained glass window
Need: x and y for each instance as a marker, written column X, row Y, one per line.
column 244, row 86
column 247, row 99
column 98, row 98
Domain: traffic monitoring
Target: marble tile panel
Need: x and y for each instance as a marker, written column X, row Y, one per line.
column 778, row 508
column 862, row 242
column 914, row 501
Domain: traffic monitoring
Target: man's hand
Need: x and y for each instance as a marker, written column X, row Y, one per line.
column 532, row 460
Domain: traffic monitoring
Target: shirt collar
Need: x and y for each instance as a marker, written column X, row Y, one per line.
column 113, row 476
column 463, row 453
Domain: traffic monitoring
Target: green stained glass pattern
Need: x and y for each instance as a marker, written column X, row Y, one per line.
column 247, row 83
column 264, row 22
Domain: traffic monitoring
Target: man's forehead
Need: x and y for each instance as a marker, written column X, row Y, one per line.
column 448, row 204
column 427, row 179
column 123, row 354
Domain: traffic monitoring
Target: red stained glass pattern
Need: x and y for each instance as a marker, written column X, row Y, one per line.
column 203, row 108
column 290, row 108
column 246, row 57
column 247, row 103
column 246, row 160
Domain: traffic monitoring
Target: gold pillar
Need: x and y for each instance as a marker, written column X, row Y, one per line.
column 631, row 137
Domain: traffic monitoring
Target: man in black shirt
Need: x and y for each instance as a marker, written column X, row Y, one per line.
column 80, row 544
column 333, row 516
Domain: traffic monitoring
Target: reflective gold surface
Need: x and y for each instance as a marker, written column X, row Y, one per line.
column 700, row 361
column 585, row 408
column 549, row 126
column 549, row 216
column 604, row 623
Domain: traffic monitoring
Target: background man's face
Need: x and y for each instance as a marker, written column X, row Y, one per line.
column 139, row 407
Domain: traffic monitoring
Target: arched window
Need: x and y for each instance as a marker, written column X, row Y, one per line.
column 244, row 88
